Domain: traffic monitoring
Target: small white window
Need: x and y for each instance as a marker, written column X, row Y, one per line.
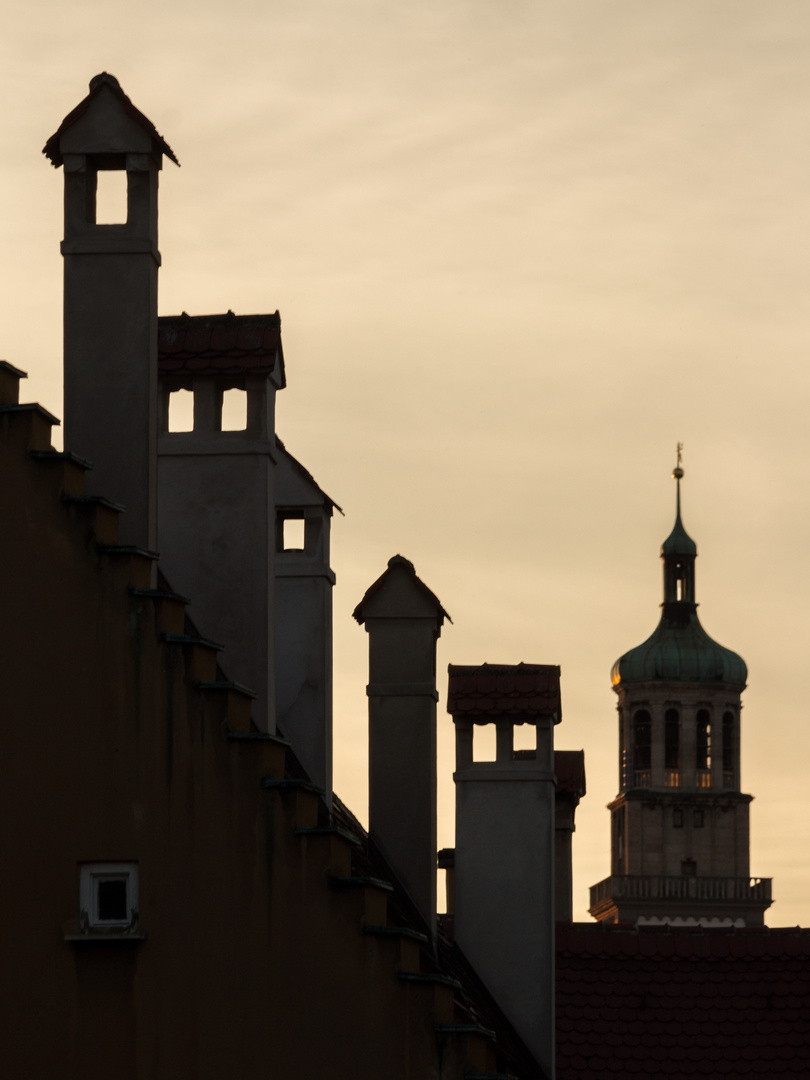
column 109, row 896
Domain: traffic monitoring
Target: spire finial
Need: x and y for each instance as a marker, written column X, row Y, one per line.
column 677, row 472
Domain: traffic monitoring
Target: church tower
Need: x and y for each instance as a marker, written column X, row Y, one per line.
column 679, row 825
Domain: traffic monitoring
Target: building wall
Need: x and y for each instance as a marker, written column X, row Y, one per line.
column 252, row 964
column 655, row 845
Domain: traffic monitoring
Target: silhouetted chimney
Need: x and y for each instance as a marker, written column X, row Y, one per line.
column 504, row 861
column 403, row 620
column 304, row 582
column 110, row 301
column 569, row 772
column 217, row 487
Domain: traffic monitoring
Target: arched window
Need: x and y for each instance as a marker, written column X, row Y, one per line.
column 618, row 840
column 672, row 739
column 703, row 747
column 728, row 749
column 642, row 753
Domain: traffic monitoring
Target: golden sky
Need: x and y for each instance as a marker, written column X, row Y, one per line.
column 520, row 249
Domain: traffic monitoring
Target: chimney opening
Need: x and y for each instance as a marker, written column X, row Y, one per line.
column 485, row 742
column 181, row 410
column 524, row 739
column 293, row 534
column 234, row 410
column 111, row 197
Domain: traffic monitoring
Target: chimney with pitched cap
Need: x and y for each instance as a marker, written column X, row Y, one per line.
column 110, row 301
column 403, row 620
column 504, row 858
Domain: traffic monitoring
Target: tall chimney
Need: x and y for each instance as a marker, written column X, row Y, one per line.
column 403, row 620
column 110, row 301
column 504, row 861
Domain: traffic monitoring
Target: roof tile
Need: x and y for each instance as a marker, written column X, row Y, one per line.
column 219, row 344
column 731, row 1004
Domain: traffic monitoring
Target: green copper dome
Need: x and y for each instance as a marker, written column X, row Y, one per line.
column 680, row 653
column 679, row 649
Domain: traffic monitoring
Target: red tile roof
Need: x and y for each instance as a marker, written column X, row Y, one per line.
column 491, row 690
column 219, row 344
column 682, row 1002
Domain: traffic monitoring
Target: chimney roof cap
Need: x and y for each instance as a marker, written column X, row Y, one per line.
column 520, row 691
column 220, row 344
column 399, row 593
column 104, row 82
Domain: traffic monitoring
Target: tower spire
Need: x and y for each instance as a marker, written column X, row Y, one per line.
column 679, row 552
column 677, row 474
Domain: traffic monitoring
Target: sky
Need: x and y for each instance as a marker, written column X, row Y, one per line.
column 520, row 250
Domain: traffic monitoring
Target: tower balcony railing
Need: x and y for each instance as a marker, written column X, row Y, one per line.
column 655, row 887
column 703, row 778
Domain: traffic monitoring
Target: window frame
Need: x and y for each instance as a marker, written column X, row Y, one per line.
column 93, row 874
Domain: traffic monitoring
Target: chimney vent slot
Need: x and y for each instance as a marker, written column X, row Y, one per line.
column 181, row 410
column 111, row 197
column 293, row 535
column 234, row 411
column 484, row 742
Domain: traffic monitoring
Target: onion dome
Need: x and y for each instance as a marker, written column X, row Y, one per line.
column 679, row 649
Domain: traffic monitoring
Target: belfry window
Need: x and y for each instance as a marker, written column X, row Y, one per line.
column 672, row 739
column 642, row 747
column 703, row 740
column 728, row 742
column 618, row 840
column 624, row 764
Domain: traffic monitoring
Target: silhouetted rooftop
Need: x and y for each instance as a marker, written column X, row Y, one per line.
column 682, row 1002
column 218, row 344
column 489, row 690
